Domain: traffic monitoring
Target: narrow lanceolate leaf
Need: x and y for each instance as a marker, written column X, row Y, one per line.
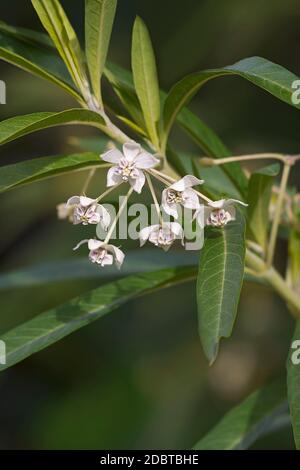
column 30, row 52
column 260, row 413
column 136, row 261
column 220, row 277
column 293, row 382
column 265, row 74
column 145, row 77
column 99, row 17
column 30, row 171
column 64, row 37
column 18, row 126
column 259, row 195
column 53, row 325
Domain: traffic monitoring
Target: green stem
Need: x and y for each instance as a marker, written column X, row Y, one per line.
column 275, row 280
column 277, row 215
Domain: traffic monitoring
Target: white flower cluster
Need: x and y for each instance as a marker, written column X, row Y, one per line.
column 130, row 166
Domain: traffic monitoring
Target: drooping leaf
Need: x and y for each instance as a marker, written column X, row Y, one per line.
column 53, row 325
column 30, row 171
column 16, row 127
column 259, row 195
column 99, row 17
column 293, row 384
column 261, row 72
column 145, row 77
column 29, row 51
column 260, row 413
column 60, row 30
column 220, row 277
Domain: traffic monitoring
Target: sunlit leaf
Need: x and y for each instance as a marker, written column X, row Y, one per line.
column 99, row 17
column 145, row 77
column 30, row 171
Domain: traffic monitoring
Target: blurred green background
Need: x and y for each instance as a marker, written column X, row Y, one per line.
column 138, row 378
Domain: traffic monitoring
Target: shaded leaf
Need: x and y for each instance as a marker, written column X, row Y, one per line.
column 220, row 278
column 29, row 51
column 260, row 413
column 265, row 74
column 53, row 325
column 293, row 384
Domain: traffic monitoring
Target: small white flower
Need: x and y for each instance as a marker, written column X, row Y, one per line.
column 65, row 212
column 182, row 193
column 129, row 165
column 161, row 235
column 103, row 254
column 218, row 213
column 88, row 211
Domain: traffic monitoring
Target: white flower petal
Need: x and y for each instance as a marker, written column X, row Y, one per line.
column 86, row 201
column 131, row 150
column 118, row 255
column 217, row 204
column 112, row 156
column 94, row 244
column 190, row 199
column 104, row 216
column 186, row 182
column 145, row 160
column 74, row 200
column 138, row 183
column 176, row 229
column 229, row 202
column 145, row 233
column 113, row 177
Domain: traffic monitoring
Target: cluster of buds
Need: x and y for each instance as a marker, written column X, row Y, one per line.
column 135, row 166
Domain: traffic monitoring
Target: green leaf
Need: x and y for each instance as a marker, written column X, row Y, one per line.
column 60, row 30
column 145, row 77
column 30, row 171
column 218, row 178
column 213, row 147
column 220, row 278
column 259, row 196
column 53, row 325
column 99, row 18
column 18, row 126
column 260, row 413
column 265, row 74
column 293, row 384
column 136, row 261
column 29, row 51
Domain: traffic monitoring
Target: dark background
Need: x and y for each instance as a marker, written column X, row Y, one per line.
column 138, row 377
